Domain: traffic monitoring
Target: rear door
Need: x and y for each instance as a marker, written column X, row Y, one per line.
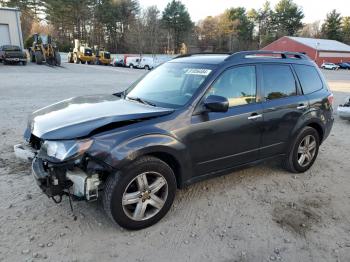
column 283, row 105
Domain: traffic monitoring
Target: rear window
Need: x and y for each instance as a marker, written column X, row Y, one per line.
column 278, row 81
column 309, row 78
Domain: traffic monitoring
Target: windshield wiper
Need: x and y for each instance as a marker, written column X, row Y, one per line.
column 121, row 94
column 140, row 100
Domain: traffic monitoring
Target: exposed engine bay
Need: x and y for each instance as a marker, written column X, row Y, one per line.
column 77, row 178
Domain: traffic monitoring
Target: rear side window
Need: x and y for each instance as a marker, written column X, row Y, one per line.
column 278, row 81
column 309, row 78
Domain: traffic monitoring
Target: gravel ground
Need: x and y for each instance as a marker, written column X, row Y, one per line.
column 258, row 214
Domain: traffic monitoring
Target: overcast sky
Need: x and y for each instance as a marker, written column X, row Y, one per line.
column 199, row 9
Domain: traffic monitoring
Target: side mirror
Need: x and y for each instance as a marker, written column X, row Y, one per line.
column 216, row 103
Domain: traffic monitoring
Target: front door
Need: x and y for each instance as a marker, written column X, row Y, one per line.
column 226, row 139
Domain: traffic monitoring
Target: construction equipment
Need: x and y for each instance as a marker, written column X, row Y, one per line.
column 44, row 51
column 103, row 58
column 81, row 53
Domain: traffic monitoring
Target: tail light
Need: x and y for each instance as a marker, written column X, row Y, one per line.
column 330, row 99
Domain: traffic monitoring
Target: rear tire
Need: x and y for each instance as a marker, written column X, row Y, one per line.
column 70, row 58
column 39, row 57
column 303, row 154
column 125, row 183
column 58, row 58
column 131, row 66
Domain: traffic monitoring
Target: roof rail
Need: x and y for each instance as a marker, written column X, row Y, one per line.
column 258, row 53
column 203, row 53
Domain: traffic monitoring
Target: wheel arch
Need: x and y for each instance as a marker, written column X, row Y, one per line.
column 318, row 128
column 311, row 122
column 173, row 162
column 164, row 147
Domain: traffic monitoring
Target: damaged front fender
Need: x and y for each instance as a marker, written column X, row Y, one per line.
column 119, row 155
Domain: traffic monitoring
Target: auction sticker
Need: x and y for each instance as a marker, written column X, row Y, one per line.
column 198, row 71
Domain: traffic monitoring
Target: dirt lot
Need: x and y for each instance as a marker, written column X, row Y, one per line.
column 258, row 214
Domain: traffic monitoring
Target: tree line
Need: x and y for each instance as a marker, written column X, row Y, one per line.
column 122, row 26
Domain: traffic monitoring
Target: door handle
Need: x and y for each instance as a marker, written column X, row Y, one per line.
column 301, row 107
column 254, row 116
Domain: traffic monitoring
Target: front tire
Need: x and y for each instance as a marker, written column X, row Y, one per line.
column 304, row 151
column 141, row 194
column 76, row 59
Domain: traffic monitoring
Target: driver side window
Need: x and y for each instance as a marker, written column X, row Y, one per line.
column 237, row 84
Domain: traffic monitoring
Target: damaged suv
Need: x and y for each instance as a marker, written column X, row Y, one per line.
column 192, row 118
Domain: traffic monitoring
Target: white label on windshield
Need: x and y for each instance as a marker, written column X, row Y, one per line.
column 198, row 71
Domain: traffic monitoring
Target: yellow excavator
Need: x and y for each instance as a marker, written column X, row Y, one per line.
column 81, row 53
column 44, row 51
column 103, row 58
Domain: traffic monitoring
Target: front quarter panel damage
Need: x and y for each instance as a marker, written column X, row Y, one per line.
column 118, row 154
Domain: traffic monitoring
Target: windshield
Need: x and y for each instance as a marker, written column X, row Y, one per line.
column 11, row 48
column 170, row 85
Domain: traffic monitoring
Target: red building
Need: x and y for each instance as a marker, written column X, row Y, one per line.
column 319, row 50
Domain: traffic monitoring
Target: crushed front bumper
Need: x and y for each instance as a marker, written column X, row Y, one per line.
column 57, row 180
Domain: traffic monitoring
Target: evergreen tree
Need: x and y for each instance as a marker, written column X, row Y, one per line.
column 332, row 27
column 287, row 18
column 242, row 28
column 346, row 29
column 177, row 21
column 263, row 20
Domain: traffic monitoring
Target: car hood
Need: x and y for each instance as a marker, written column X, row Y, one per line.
column 78, row 117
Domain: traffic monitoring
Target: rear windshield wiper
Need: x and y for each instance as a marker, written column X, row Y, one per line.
column 140, row 100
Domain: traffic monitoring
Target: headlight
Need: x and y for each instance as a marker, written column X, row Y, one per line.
column 65, row 150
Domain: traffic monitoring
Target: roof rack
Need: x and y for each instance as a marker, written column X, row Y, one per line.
column 203, row 53
column 262, row 54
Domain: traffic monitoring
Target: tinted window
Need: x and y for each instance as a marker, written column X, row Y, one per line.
column 278, row 81
column 238, row 85
column 309, row 79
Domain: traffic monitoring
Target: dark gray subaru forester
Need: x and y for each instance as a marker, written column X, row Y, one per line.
column 194, row 117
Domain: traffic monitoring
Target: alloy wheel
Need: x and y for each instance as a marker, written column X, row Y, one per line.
column 145, row 196
column 306, row 150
